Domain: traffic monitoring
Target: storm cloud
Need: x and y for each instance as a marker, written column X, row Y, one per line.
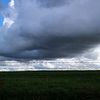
column 49, row 29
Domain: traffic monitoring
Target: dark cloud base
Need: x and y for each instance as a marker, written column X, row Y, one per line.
column 51, row 29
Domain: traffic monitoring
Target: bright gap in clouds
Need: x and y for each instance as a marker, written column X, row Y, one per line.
column 4, row 4
column 5, row 18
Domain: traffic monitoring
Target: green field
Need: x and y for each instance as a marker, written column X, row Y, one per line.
column 50, row 85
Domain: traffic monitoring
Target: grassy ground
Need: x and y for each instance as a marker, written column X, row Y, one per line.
column 51, row 85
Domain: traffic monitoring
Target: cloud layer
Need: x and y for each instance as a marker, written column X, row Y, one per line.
column 50, row 29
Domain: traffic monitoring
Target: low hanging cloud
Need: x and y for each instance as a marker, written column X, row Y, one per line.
column 50, row 29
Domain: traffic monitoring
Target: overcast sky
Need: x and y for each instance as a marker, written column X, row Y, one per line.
column 50, row 30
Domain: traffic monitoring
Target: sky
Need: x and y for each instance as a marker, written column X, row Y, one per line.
column 50, row 30
column 4, row 3
column 1, row 21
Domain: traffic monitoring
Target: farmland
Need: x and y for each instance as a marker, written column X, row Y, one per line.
column 48, row 85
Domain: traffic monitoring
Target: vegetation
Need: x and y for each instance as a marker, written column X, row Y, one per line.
column 50, row 85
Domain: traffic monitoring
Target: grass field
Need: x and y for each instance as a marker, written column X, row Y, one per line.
column 50, row 85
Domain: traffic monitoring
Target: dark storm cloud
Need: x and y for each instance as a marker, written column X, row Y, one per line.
column 51, row 29
column 52, row 3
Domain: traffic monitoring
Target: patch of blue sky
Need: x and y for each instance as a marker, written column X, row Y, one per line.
column 5, row 2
